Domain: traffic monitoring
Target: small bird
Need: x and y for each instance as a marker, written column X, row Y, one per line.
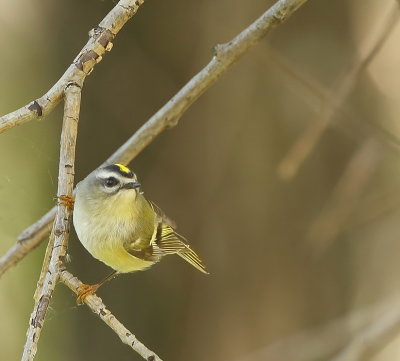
column 120, row 227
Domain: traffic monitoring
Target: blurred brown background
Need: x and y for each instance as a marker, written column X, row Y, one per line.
column 299, row 261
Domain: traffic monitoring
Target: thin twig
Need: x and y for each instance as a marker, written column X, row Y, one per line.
column 307, row 141
column 97, row 306
column 61, row 228
column 225, row 56
column 99, row 42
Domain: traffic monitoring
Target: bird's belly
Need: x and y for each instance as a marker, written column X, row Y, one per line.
column 119, row 259
column 108, row 247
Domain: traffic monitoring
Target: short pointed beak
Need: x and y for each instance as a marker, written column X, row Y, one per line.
column 131, row 185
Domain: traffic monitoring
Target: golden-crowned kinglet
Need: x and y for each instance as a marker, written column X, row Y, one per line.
column 120, row 227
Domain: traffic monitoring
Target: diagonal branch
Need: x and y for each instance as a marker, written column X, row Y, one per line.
column 97, row 306
column 224, row 57
column 99, row 42
column 58, row 243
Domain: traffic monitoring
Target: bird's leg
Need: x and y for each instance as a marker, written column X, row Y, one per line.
column 86, row 290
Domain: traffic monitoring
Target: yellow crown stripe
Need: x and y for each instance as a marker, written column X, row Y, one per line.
column 123, row 168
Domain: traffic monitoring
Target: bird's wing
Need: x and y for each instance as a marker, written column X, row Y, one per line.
column 167, row 241
column 162, row 240
column 142, row 252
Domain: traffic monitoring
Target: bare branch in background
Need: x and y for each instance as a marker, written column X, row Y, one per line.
column 345, row 196
column 355, row 334
column 373, row 338
column 292, row 71
column 97, row 306
column 99, row 42
column 311, row 91
column 374, row 207
column 225, row 56
column 61, row 228
column 306, row 143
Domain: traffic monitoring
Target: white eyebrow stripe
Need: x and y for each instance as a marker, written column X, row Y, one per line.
column 103, row 174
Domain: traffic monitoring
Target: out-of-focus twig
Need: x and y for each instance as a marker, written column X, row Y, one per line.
column 372, row 339
column 313, row 92
column 225, row 56
column 305, row 144
column 290, row 70
column 375, row 206
column 99, row 42
column 345, row 195
column 374, row 324
column 97, row 306
column 61, row 228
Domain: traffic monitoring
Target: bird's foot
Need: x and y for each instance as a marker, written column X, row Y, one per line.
column 66, row 201
column 84, row 291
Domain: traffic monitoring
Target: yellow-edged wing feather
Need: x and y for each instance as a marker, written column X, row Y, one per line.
column 167, row 241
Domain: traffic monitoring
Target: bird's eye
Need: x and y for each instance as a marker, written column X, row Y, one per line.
column 111, row 182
